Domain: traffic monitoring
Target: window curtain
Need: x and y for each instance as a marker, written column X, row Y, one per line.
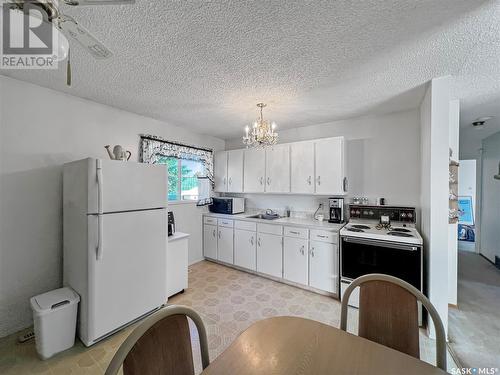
column 154, row 148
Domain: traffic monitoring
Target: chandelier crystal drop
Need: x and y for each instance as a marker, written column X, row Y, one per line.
column 262, row 132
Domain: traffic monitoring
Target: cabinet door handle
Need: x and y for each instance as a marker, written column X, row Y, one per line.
column 251, row 240
column 294, row 232
column 322, row 236
column 219, row 234
column 269, row 180
column 261, row 180
column 214, row 233
column 312, row 252
column 224, row 180
column 230, row 180
column 319, row 180
column 309, row 180
column 302, row 249
column 345, row 184
column 258, row 242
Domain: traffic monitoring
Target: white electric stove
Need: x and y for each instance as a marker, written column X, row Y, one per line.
column 381, row 239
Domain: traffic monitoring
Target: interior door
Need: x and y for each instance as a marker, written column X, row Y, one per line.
column 245, row 247
column 329, row 162
column 278, row 169
column 128, row 186
column 270, row 254
column 302, row 167
column 225, row 245
column 235, row 171
column 220, row 171
column 323, row 266
column 210, row 241
column 295, row 264
column 129, row 279
column 254, row 171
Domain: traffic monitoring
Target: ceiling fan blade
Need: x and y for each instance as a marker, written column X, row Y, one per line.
column 98, row 2
column 81, row 35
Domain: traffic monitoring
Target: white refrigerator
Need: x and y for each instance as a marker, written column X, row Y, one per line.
column 115, row 242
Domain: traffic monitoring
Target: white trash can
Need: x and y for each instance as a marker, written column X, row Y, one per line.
column 54, row 315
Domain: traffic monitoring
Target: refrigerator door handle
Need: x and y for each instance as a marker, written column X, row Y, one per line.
column 99, row 209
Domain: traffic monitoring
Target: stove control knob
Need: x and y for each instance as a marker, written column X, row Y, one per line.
column 370, row 213
column 403, row 215
column 410, row 215
column 358, row 212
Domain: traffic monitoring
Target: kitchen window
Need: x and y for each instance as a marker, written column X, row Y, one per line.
column 183, row 178
column 187, row 166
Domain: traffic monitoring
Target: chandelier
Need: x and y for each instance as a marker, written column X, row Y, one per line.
column 262, row 133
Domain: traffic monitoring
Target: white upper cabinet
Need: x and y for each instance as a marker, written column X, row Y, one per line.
column 330, row 168
column 254, row 171
column 278, row 169
column 220, row 171
column 310, row 167
column 302, row 167
column 235, row 171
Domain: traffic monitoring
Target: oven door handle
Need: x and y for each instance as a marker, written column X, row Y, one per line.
column 391, row 245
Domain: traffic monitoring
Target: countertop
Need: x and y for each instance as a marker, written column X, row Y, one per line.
column 177, row 236
column 295, row 221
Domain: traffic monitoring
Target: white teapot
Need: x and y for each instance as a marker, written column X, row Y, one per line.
column 119, row 153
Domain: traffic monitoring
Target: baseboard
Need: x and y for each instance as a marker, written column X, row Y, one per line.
column 196, row 261
column 453, row 306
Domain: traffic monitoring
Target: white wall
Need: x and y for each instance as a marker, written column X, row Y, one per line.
column 434, row 114
column 383, row 158
column 40, row 130
column 454, row 128
column 490, row 207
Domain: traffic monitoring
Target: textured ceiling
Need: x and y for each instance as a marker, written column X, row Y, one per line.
column 204, row 64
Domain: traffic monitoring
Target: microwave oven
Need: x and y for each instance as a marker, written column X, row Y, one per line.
column 227, row 205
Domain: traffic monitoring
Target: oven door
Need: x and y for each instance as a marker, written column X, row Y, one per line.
column 361, row 256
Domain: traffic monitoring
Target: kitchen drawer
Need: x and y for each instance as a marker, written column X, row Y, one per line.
column 270, row 228
column 245, row 225
column 324, row 236
column 209, row 220
column 225, row 223
column 296, row 232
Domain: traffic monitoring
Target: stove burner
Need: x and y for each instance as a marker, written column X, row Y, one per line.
column 403, row 230
column 399, row 234
column 355, row 230
column 359, row 226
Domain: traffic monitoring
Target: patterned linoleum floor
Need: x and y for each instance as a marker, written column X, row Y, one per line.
column 228, row 300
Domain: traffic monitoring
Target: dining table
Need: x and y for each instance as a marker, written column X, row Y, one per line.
column 292, row 346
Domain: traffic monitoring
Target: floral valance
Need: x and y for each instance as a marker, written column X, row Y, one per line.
column 154, row 148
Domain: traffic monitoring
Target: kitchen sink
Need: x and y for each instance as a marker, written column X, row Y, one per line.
column 263, row 216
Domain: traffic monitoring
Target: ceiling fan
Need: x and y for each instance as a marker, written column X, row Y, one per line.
column 71, row 29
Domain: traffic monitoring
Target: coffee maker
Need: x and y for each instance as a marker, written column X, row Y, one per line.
column 336, row 210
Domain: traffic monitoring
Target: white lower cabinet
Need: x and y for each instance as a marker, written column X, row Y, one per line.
column 245, row 248
column 303, row 256
column 210, row 241
column 295, row 264
column 225, row 244
column 323, row 266
column 270, row 254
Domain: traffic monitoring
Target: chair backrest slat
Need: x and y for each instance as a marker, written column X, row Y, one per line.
column 389, row 314
column 165, row 346
column 161, row 344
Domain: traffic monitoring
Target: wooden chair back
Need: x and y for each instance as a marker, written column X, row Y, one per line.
column 161, row 345
column 388, row 314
